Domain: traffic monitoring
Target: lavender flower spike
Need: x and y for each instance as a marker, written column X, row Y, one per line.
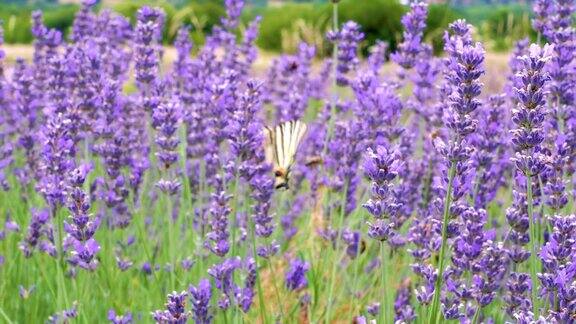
column 175, row 312
column 411, row 47
column 81, row 227
column 348, row 39
column 381, row 167
column 200, row 297
column 528, row 136
column 296, row 275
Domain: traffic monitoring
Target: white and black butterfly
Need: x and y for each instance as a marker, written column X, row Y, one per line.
column 281, row 144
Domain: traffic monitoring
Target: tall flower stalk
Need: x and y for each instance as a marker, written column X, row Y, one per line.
column 527, row 138
column 465, row 66
column 346, row 41
column 381, row 167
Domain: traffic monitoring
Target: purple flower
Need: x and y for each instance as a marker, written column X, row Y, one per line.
column 247, row 50
column 344, row 154
column 373, row 309
column 27, row 105
column 123, row 264
column 11, row 225
column 403, row 310
column 26, row 292
column 232, row 293
column 57, row 145
column 381, row 167
column 38, row 230
column 223, row 279
column 377, row 57
column 113, row 149
column 518, row 296
column 233, row 12
column 183, row 63
column 491, row 267
column 200, row 297
column 529, row 115
column 288, row 221
column 543, row 10
column 83, row 254
column 115, row 318
column 348, row 39
column 146, row 55
column 245, row 130
column 490, row 159
column 175, row 310
column 355, row 243
column 245, row 294
column 84, row 21
column 296, row 274
column 166, row 117
column 217, row 238
column 65, row 315
column 81, row 227
column 414, row 24
column 288, row 84
column 559, row 269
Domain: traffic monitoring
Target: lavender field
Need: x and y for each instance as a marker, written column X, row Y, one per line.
column 400, row 187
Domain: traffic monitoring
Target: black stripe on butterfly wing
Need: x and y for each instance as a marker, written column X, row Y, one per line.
column 279, row 145
column 294, row 139
column 287, row 128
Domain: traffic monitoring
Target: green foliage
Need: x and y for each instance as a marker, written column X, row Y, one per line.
column 283, row 27
column 60, row 18
column 439, row 16
column 200, row 16
column 500, row 27
column 16, row 20
column 277, row 21
column 380, row 19
column 16, row 23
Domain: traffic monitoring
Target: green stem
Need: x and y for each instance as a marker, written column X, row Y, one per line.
column 262, row 305
column 534, row 242
column 141, row 228
column 60, row 259
column 383, row 285
column 234, row 211
column 355, row 279
column 171, row 246
column 476, row 316
column 556, row 306
column 434, row 314
column 426, row 187
column 336, row 263
column 6, row 318
column 276, row 291
column 334, row 99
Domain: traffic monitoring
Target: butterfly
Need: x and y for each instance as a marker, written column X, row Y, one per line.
column 281, row 144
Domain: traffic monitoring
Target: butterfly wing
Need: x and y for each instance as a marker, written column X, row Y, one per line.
column 270, row 146
column 281, row 145
column 292, row 134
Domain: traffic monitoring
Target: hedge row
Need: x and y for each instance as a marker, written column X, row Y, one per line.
column 283, row 27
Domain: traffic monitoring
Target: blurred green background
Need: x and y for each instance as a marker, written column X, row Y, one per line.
column 285, row 23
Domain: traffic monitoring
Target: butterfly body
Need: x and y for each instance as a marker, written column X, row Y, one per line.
column 281, row 144
column 281, row 178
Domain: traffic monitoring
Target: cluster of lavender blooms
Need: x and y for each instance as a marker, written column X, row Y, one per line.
column 468, row 193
